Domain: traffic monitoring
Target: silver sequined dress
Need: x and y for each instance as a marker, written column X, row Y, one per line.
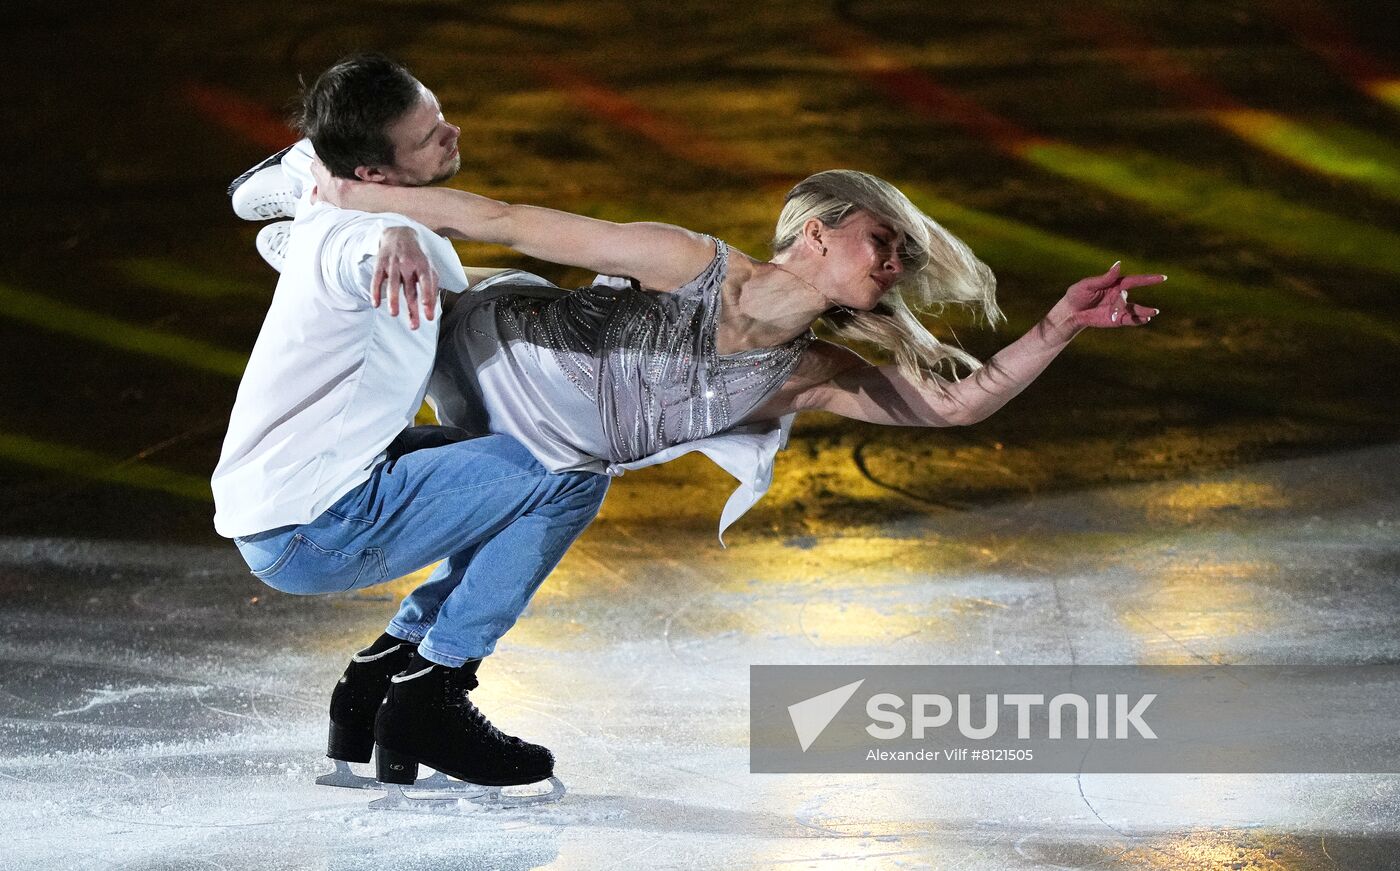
column 608, row 378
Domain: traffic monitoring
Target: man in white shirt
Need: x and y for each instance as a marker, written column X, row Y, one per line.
column 325, row 486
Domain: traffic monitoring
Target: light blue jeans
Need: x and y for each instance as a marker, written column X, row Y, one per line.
column 497, row 518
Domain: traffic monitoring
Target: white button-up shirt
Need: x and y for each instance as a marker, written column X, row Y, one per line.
column 331, row 380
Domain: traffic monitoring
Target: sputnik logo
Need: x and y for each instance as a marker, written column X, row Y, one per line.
column 810, row 717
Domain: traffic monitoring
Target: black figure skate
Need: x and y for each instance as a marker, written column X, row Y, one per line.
column 355, row 701
column 428, row 719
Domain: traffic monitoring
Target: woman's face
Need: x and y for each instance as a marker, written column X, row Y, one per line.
column 862, row 260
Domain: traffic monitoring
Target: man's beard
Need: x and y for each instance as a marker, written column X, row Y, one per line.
column 452, row 169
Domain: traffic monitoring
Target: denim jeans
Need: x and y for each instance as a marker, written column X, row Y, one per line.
column 498, row 519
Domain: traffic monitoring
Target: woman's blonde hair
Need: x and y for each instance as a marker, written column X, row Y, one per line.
column 939, row 270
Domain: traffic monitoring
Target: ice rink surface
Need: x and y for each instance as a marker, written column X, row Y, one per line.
column 159, row 709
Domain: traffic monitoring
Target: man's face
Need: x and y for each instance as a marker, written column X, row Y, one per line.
column 425, row 146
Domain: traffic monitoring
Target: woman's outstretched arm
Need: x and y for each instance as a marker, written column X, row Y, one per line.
column 839, row 381
column 659, row 256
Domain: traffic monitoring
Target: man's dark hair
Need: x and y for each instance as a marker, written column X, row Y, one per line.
column 346, row 110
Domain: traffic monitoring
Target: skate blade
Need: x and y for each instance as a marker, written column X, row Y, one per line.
column 345, row 777
column 396, row 799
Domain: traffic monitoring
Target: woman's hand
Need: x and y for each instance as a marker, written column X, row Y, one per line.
column 336, row 191
column 1102, row 301
column 402, row 265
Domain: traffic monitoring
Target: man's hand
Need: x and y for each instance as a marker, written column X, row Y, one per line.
column 401, row 265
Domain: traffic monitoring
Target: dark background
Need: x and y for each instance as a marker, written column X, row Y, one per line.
column 1247, row 149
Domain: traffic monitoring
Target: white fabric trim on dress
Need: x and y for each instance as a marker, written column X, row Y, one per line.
column 747, row 452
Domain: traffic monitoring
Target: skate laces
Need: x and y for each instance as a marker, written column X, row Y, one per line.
column 461, row 699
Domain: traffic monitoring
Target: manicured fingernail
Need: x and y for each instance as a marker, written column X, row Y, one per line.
column 1124, row 294
column 1114, row 316
column 1115, row 265
column 1156, row 311
column 1164, row 278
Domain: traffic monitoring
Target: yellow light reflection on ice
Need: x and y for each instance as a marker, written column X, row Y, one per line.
column 1194, row 604
column 1200, row 501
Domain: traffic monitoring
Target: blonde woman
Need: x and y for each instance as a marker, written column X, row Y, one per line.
column 705, row 341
